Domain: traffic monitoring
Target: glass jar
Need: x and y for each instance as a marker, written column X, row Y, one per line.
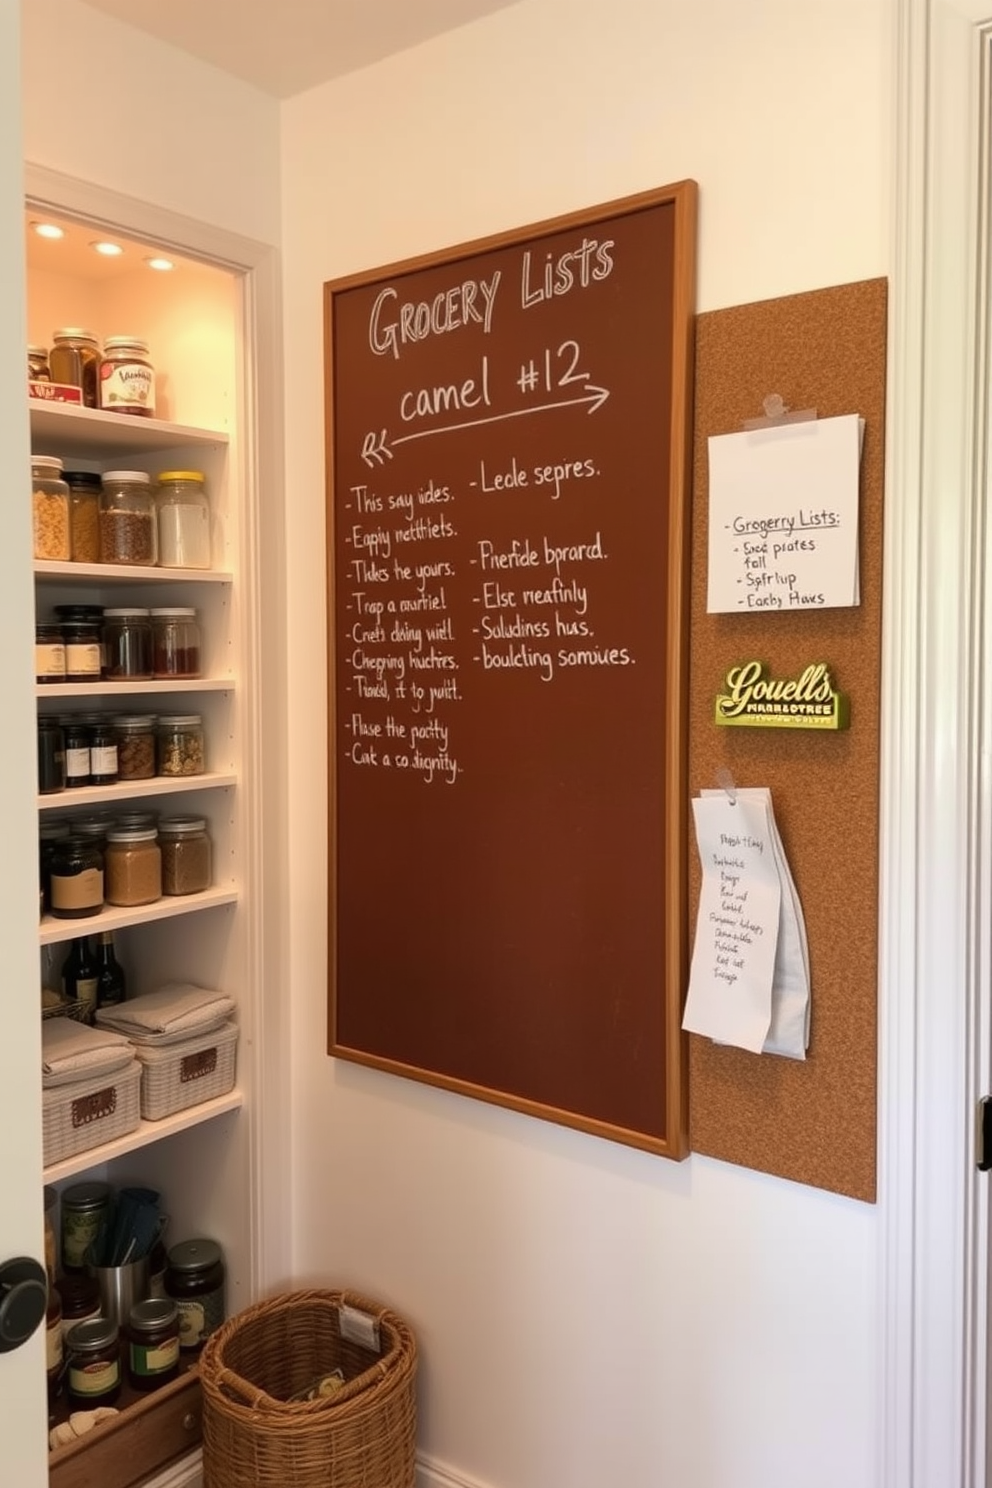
column 185, row 854
column 127, row 644
column 50, row 831
column 93, row 1375
column 143, row 819
column 38, row 369
column 176, row 642
column 51, row 756
column 152, row 1336
column 87, row 618
column 50, row 509
column 93, row 827
column 127, row 518
column 194, row 1279
column 77, row 753
column 135, row 746
column 85, row 1214
column 103, row 753
column 74, row 360
column 49, row 654
column 127, row 377
column 133, row 865
column 180, row 744
column 76, row 878
column 183, row 520
column 84, row 515
column 80, row 1295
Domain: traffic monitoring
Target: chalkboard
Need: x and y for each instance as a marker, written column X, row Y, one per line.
column 508, row 430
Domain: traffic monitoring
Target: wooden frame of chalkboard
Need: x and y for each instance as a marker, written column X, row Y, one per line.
column 508, row 431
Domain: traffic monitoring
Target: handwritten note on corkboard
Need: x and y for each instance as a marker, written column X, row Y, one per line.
column 508, row 436
column 814, row 1122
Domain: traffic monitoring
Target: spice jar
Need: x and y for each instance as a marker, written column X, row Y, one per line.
column 152, row 1335
column 103, row 753
column 176, row 642
column 50, row 509
column 88, row 618
column 183, row 520
column 93, row 1375
column 51, row 756
column 77, row 753
column 127, row 518
column 38, row 369
column 127, row 377
column 74, row 359
column 85, row 1213
column 127, row 644
column 185, row 854
column 194, row 1279
column 84, row 515
column 76, row 878
column 133, row 865
column 135, row 746
column 180, row 748
column 49, row 654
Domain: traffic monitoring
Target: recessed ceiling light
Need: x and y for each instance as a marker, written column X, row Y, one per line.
column 160, row 263
column 109, row 250
column 48, row 230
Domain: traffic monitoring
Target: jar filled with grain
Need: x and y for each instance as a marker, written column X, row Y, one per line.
column 127, row 519
column 180, row 748
column 135, row 746
column 132, row 866
column 185, row 854
column 50, row 509
column 84, row 515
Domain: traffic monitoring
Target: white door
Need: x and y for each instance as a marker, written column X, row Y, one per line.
column 23, row 1415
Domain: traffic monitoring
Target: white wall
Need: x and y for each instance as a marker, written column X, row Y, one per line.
column 588, row 1315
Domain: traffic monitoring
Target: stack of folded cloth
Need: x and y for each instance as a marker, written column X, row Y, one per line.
column 71, row 1052
column 175, row 1012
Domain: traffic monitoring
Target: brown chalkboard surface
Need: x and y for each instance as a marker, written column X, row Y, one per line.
column 508, row 428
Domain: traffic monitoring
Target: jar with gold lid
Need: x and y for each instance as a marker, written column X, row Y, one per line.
column 74, row 360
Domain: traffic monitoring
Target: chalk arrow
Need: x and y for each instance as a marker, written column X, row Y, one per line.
column 375, row 448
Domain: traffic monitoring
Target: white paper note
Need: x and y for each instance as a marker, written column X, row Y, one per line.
column 733, row 957
column 783, row 517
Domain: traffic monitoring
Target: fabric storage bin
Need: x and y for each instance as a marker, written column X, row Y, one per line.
column 89, row 1112
column 364, row 1433
column 185, row 1073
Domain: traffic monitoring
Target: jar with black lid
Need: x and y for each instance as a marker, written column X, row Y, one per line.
column 194, row 1279
column 94, row 827
column 93, row 1376
column 77, row 753
column 103, row 753
column 49, row 654
column 80, row 1295
column 127, row 644
column 88, row 618
column 38, row 369
column 85, row 1212
column 152, row 1335
column 84, row 514
column 51, row 830
column 76, row 878
column 51, row 756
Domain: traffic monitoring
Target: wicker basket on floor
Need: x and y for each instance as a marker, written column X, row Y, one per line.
column 254, row 1436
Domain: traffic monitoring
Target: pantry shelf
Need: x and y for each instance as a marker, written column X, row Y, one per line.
column 111, row 917
column 125, row 573
column 83, row 690
column 129, row 790
column 66, row 429
column 144, row 1135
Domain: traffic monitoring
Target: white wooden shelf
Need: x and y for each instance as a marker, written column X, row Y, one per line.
column 65, row 429
column 129, row 790
column 144, row 1135
column 125, row 573
column 114, row 917
column 136, row 688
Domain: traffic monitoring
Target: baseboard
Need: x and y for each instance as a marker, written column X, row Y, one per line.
column 434, row 1474
column 184, row 1474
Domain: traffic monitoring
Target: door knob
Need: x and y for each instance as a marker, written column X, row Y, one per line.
column 23, row 1301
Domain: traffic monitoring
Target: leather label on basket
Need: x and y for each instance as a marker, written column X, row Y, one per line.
column 195, row 1066
column 89, row 1108
column 359, row 1327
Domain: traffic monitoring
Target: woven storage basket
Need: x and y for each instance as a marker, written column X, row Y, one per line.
column 362, row 1436
column 90, row 1112
column 181, row 1075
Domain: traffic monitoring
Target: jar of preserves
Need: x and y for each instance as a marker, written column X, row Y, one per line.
column 85, row 1213
column 49, row 654
column 152, row 1335
column 80, row 1295
column 50, row 831
column 185, row 854
column 87, row 618
column 176, row 642
column 135, row 746
column 133, row 866
column 183, row 520
column 194, row 1279
column 180, row 745
column 74, row 360
column 127, row 644
column 93, row 827
column 127, row 377
column 103, row 753
column 51, row 756
column 77, row 753
column 50, row 509
column 82, row 650
column 76, row 878
column 38, row 369
column 128, row 532
column 93, row 1373
column 84, row 515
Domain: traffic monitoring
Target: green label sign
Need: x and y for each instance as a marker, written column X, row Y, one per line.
column 755, row 700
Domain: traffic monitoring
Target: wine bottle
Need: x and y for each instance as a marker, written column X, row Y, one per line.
column 111, row 986
column 80, row 976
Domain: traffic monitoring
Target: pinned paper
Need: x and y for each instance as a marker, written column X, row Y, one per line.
column 783, row 517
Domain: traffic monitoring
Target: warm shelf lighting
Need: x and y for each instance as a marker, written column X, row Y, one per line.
column 48, row 230
column 163, row 264
column 109, row 250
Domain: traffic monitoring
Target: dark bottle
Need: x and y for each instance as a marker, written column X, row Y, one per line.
column 111, row 985
column 80, row 976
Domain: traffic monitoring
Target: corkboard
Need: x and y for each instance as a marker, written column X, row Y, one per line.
column 813, row 1122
